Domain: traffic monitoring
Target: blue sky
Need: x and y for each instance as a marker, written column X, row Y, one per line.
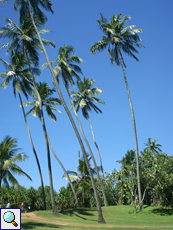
column 150, row 82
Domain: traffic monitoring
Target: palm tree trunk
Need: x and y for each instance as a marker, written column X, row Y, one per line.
column 54, row 209
column 134, row 128
column 96, row 145
column 100, row 216
column 65, row 173
column 82, row 132
column 34, row 151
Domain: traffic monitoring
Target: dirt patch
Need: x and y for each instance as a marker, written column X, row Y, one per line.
column 32, row 216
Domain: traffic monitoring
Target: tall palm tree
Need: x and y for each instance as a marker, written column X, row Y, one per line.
column 84, row 99
column 152, row 146
column 29, row 43
column 29, row 9
column 119, row 39
column 18, row 73
column 67, row 69
column 48, row 102
column 8, row 159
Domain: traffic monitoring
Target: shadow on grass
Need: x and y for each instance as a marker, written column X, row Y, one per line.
column 163, row 211
column 81, row 213
column 35, row 225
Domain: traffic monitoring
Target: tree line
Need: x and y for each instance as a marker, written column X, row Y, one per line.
column 120, row 186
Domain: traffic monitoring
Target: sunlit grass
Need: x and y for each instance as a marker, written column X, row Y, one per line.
column 116, row 217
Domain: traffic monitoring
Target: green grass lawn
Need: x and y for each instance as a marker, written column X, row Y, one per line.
column 116, row 217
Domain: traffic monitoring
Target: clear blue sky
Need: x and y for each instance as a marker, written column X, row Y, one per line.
column 150, row 82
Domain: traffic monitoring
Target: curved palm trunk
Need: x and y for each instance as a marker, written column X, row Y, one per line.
column 54, row 209
column 82, row 132
column 134, row 128
column 100, row 216
column 96, row 145
column 34, row 151
column 65, row 173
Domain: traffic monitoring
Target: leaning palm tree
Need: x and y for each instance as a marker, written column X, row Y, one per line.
column 8, row 159
column 18, row 73
column 49, row 103
column 66, row 67
column 119, row 39
column 28, row 42
column 153, row 146
column 85, row 99
column 30, row 9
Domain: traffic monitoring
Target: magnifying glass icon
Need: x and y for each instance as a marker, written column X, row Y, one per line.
column 9, row 217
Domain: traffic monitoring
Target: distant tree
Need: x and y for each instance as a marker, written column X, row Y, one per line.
column 127, row 177
column 151, row 145
column 82, row 178
column 157, row 176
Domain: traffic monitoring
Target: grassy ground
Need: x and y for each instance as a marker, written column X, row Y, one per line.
column 116, row 217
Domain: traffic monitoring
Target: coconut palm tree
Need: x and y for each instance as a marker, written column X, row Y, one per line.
column 8, row 159
column 49, row 103
column 18, row 73
column 120, row 39
column 82, row 169
column 66, row 66
column 27, row 43
column 21, row 6
column 29, row 9
column 67, row 69
column 24, row 38
column 152, row 146
column 81, row 177
column 84, row 99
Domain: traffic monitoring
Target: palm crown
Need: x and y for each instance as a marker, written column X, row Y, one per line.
column 82, row 173
column 47, row 101
column 65, row 66
column 153, row 146
column 84, row 97
column 18, row 73
column 24, row 37
column 118, row 38
column 35, row 8
column 8, row 157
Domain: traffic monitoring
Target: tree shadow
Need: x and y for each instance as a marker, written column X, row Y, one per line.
column 80, row 213
column 163, row 211
column 34, row 225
